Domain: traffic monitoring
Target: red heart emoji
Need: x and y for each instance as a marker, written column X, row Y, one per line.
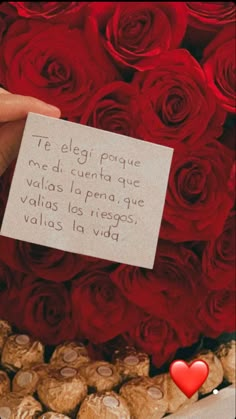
column 189, row 378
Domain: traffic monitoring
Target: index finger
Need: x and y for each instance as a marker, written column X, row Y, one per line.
column 15, row 107
column 4, row 91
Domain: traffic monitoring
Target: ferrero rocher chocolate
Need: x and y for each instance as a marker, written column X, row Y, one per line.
column 41, row 369
column 144, row 398
column 14, row 406
column 100, row 375
column 5, row 331
column 175, row 398
column 107, row 405
column 226, row 353
column 5, row 384
column 216, row 374
column 25, row 382
column 130, row 363
column 20, row 351
column 53, row 415
column 70, row 354
column 62, row 390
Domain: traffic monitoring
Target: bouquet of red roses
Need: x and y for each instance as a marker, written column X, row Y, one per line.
column 162, row 72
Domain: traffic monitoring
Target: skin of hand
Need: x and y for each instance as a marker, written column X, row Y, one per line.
column 13, row 112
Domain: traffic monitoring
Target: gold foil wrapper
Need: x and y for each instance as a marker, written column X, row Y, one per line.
column 53, row 415
column 41, row 369
column 5, row 384
column 131, row 363
column 62, row 390
column 100, row 375
column 107, row 405
column 5, row 331
column 14, row 406
column 25, row 382
column 70, row 354
column 175, row 398
column 144, row 398
column 227, row 355
column 20, row 351
column 216, row 374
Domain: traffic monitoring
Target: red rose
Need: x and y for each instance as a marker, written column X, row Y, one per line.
column 106, row 350
column 231, row 182
column 217, row 313
column 8, row 278
column 3, row 25
column 8, row 15
column 102, row 311
column 175, row 282
column 55, row 265
column 113, row 108
column 176, row 103
column 157, row 338
column 218, row 260
column 210, row 16
column 54, row 63
column 42, row 309
column 136, row 33
column 46, row 9
column 228, row 137
column 198, row 200
column 5, row 183
column 219, row 66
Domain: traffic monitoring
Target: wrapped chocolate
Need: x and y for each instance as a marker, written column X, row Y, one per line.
column 5, row 331
column 62, row 390
column 53, row 415
column 107, row 405
column 20, row 351
column 14, row 406
column 131, row 363
column 175, row 398
column 25, row 382
column 216, row 374
column 144, row 398
column 70, row 354
column 226, row 353
column 5, row 384
column 100, row 375
column 41, row 369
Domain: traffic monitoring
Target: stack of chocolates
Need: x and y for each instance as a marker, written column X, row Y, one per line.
column 71, row 385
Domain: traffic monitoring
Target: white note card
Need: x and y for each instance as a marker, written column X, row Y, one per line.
column 88, row 191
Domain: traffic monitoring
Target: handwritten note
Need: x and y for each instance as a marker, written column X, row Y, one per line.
column 88, row 191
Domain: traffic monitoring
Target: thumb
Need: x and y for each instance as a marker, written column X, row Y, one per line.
column 10, row 139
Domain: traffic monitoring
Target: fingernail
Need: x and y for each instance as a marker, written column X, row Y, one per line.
column 53, row 108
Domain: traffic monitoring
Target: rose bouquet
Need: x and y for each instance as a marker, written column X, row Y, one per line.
column 162, row 72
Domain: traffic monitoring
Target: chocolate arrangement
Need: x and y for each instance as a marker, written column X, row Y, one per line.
column 68, row 383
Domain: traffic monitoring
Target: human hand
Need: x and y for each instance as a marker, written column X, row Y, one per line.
column 13, row 112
